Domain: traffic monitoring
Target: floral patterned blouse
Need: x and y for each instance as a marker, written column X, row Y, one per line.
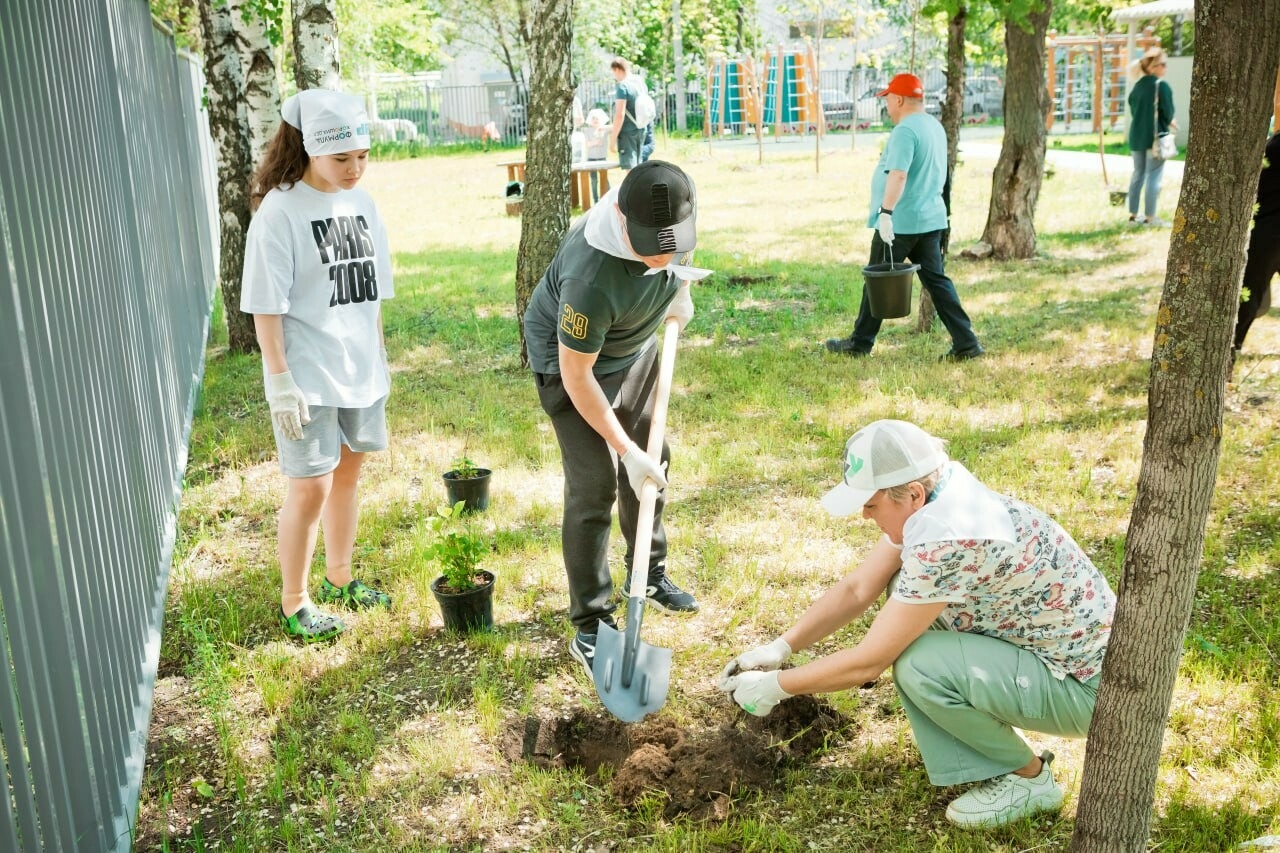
column 1039, row 591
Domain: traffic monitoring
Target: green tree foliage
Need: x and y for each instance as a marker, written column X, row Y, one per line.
column 640, row 32
column 391, row 35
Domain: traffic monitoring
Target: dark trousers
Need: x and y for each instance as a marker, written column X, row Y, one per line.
column 1263, row 263
column 594, row 479
column 925, row 250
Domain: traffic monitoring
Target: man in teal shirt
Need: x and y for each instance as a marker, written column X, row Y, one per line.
column 910, row 218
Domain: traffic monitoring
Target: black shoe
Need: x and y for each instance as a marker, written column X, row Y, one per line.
column 844, row 346
column 963, row 355
column 582, row 647
column 665, row 595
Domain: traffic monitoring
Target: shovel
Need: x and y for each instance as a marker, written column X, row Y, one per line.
column 632, row 676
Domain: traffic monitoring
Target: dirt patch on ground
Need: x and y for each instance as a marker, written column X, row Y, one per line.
column 697, row 772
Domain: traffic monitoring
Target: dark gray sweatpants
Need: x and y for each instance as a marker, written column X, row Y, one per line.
column 594, row 479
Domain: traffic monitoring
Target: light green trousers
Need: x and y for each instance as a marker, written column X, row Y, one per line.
column 964, row 693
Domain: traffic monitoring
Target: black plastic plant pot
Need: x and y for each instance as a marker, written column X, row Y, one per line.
column 889, row 289
column 471, row 610
column 472, row 491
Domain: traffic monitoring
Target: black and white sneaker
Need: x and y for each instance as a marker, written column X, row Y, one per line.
column 583, row 646
column 665, row 595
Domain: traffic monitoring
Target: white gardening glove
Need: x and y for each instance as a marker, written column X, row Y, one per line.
column 766, row 658
column 288, row 408
column 681, row 308
column 884, row 224
column 641, row 465
column 757, row 692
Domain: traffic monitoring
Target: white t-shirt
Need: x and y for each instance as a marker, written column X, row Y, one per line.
column 323, row 261
column 1008, row 571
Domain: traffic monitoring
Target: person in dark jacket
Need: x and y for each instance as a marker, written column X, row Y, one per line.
column 1264, row 246
column 1143, row 127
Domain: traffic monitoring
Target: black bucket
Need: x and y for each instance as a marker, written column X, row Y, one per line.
column 471, row 610
column 473, row 491
column 889, row 289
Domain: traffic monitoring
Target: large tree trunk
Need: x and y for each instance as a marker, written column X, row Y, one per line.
column 229, row 128
column 545, row 214
column 1230, row 99
column 1015, row 186
column 315, row 44
column 261, row 89
column 952, row 110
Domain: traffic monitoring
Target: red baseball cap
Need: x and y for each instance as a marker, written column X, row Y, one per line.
column 906, row 85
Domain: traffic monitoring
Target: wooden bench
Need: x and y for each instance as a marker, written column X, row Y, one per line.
column 579, row 179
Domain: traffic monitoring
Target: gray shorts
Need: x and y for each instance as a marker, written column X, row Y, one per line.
column 320, row 449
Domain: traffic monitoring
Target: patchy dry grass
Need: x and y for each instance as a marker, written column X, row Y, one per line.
column 388, row 740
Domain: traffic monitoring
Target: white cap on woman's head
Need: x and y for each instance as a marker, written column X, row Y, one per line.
column 331, row 122
column 881, row 455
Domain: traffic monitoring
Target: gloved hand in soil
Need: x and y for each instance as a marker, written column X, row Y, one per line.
column 757, row 692
column 767, row 657
column 640, row 465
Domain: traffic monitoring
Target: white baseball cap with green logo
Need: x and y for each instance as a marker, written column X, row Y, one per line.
column 879, row 456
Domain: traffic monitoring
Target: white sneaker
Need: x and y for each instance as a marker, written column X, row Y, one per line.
column 1007, row 798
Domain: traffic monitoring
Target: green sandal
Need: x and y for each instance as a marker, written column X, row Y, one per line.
column 311, row 626
column 354, row 595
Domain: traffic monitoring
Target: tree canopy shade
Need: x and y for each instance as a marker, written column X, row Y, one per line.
column 1232, row 81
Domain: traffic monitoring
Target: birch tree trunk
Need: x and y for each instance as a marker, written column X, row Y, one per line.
column 315, row 44
column 1015, row 185
column 545, row 215
column 1230, row 101
column 230, row 131
column 952, row 109
column 261, row 89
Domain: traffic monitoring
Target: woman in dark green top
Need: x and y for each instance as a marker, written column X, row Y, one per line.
column 1142, row 132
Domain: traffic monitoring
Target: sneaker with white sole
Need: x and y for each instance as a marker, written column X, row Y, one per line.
column 663, row 594
column 1007, row 798
column 582, row 647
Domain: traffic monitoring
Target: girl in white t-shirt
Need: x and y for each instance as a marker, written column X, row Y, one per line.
column 995, row 619
column 316, row 270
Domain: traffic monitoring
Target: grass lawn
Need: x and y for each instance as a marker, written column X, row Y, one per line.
column 1114, row 143
column 400, row 736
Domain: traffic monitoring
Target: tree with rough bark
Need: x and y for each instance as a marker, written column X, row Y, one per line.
column 258, row 28
column 1231, row 85
column 545, row 213
column 1015, row 184
column 315, row 44
column 229, row 128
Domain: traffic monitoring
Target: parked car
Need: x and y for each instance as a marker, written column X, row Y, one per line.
column 872, row 108
column 836, row 105
column 983, row 96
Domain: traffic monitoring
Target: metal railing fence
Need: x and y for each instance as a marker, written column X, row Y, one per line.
column 108, row 269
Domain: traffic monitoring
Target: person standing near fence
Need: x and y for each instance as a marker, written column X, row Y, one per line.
column 317, row 268
column 1144, row 125
column 910, row 218
column 627, row 139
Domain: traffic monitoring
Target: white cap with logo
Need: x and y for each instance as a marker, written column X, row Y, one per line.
column 331, row 122
column 879, row 456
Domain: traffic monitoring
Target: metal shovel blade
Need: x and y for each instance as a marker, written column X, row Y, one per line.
column 631, row 676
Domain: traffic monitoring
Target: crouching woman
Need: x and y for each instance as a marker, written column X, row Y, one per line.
column 994, row 619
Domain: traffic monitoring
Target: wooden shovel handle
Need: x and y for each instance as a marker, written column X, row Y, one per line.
column 649, row 491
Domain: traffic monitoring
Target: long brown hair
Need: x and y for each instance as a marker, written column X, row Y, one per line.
column 284, row 162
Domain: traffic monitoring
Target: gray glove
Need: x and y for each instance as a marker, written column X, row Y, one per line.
column 288, row 408
column 757, row 692
column 768, row 657
column 884, row 224
column 681, row 308
column 641, row 465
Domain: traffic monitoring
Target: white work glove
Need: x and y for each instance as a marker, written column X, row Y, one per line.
column 681, row 308
column 884, row 224
column 757, row 692
column 288, row 408
column 766, row 658
column 640, row 465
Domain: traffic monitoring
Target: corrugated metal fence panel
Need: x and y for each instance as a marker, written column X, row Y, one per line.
column 108, row 270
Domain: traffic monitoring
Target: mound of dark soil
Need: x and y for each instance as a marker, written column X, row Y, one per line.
column 697, row 772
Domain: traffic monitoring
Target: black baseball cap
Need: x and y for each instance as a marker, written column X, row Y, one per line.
column 660, row 205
